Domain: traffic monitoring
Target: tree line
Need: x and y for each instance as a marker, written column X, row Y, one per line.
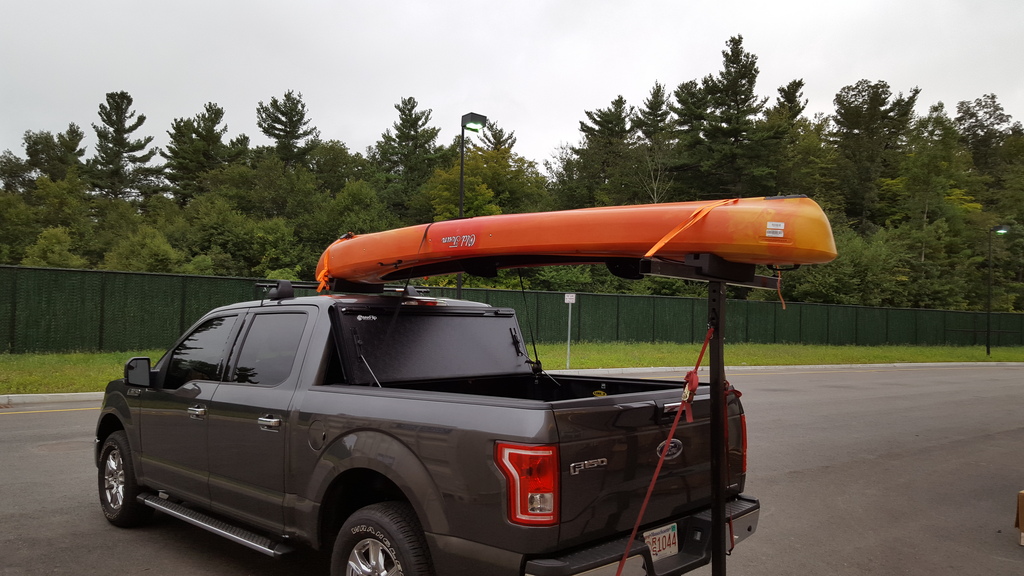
column 913, row 199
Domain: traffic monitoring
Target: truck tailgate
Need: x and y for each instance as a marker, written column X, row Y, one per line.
column 609, row 454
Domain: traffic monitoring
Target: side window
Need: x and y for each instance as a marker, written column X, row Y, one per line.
column 269, row 349
column 200, row 356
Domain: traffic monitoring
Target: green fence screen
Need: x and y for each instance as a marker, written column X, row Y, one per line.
column 55, row 310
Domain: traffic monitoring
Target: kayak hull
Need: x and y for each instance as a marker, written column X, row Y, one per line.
column 781, row 231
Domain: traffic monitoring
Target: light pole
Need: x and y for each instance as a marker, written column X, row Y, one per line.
column 474, row 122
column 1000, row 229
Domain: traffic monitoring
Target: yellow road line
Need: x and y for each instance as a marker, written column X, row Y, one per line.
column 42, row 411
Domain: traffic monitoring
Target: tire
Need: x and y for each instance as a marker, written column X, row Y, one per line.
column 380, row 539
column 117, row 484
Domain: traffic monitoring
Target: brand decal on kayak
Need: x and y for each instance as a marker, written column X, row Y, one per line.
column 464, row 241
column 675, row 448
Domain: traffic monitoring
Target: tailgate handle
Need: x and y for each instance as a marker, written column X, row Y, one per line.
column 669, row 410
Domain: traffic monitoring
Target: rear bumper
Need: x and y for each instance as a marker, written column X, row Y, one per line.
column 694, row 547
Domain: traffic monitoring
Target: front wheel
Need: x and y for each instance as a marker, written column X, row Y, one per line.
column 117, row 484
column 382, row 539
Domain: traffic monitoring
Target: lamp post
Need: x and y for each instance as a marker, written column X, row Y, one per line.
column 473, row 122
column 1000, row 229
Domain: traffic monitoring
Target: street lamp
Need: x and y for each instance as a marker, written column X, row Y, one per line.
column 473, row 122
column 1000, row 229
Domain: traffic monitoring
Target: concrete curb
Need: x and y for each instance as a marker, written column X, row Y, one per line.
column 704, row 369
column 11, row 399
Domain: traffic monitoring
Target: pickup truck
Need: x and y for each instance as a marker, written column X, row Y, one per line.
column 411, row 435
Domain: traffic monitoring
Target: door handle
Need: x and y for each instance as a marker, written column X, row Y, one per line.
column 269, row 423
column 197, row 412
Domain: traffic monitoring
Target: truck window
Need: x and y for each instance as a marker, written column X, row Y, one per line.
column 424, row 344
column 200, row 356
column 269, row 349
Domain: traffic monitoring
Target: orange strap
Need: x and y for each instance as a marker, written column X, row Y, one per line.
column 323, row 275
column 697, row 216
column 778, row 287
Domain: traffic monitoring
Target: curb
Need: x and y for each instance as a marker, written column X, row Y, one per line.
column 704, row 369
column 11, row 399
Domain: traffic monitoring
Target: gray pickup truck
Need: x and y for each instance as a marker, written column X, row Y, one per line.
column 415, row 436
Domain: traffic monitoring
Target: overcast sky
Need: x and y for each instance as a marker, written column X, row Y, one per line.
column 532, row 66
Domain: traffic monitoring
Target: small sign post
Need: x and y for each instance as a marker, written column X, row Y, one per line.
column 569, row 299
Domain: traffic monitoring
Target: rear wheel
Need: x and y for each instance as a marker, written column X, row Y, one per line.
column 382, row 539
column 117, row 484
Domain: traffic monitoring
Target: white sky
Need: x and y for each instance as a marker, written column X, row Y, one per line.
column 532, row 66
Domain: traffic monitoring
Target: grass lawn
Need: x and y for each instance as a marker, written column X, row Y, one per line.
column 617, row 355
column 85, row 372
column 77, row 372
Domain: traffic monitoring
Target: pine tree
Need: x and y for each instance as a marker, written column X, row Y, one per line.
column 120, row 167
column 654, row 123
column 407, row 155
column 196, row 147
column 54, row 156
column 606, row 163
column 984, row 126
column 495, row 138
column 722, row 149
column 285, row 122
column 735, row 150
column 870, row 131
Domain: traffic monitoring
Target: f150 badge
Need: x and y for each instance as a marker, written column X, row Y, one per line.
column 576, row 467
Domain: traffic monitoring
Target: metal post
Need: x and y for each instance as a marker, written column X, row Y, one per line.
column 988, row 305
column 716, row 362
column 462, row 192
column 568, row 338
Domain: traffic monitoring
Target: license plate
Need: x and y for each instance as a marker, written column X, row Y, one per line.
column 663, row 542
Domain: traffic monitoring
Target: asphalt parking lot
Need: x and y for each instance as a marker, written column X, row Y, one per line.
column 860, row 470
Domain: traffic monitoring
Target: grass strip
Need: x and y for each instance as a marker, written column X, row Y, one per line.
column 52, row 373
column 645, row 355
column 90, row 372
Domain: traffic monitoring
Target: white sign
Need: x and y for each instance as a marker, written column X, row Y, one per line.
column 570, row 298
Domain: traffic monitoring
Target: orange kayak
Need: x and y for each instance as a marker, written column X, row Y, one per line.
column 782, row 231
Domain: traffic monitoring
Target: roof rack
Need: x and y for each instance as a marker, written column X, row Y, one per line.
column 282, row 289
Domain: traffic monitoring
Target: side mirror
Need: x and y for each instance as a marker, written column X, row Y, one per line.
column 136, row 372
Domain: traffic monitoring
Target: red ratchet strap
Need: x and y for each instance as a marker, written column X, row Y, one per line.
column 695, row 217
column 685, row 406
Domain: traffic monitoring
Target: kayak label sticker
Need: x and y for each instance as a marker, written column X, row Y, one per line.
column 464, row 241
column 776, row 230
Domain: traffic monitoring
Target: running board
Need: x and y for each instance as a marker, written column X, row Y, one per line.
column 240, row 535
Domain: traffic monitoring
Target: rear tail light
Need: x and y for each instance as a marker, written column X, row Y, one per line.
column 532, row 475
